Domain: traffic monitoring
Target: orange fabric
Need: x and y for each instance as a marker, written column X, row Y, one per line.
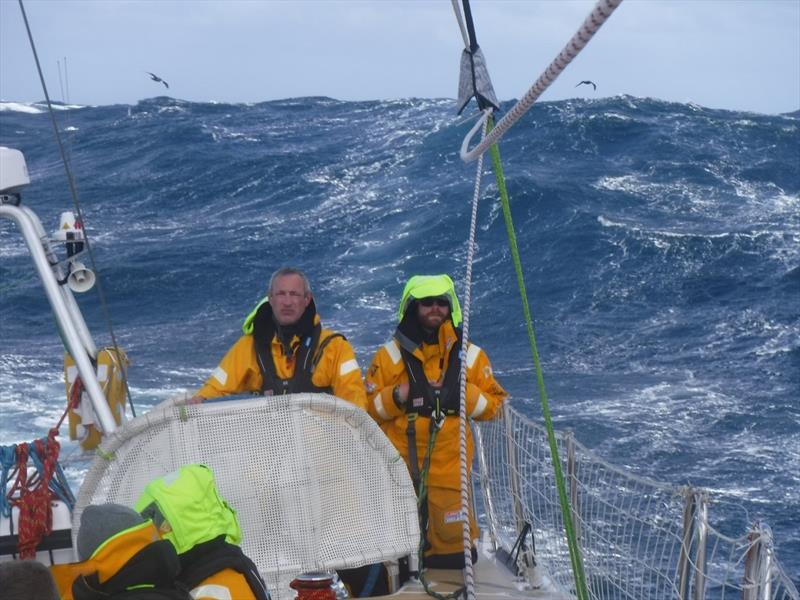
column 232, row 580
column 484, row 399
column 482, row 390
column 445, row 525
column 241, row 372
column 107, row 559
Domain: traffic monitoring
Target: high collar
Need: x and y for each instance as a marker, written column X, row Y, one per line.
column 119, row 549
column 265, row 327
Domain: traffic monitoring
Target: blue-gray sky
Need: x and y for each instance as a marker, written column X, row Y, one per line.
column 731, row 54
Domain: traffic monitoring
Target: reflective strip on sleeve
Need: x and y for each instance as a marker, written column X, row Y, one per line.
column 472, row 355
column 379, row 407
column 393, row 350
column 348, row 366
column 220, row 375
column 480, row 406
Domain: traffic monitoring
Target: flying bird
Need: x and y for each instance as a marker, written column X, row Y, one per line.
column 155, row 77
column 587, row 82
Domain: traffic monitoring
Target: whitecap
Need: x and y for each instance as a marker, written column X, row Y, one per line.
column 19, row 107
column 55, row 106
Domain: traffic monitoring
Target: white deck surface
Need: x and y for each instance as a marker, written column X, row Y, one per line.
column 491, row 582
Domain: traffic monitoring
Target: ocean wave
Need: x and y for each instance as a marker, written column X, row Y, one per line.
column 20, row 107
column 35, row 108
column 659, row 244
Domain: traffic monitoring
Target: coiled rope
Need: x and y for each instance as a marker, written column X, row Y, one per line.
column 601, row 12
column 33, row 496
column 313, row 590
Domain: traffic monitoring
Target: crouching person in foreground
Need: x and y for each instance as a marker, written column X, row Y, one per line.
column 183, row 546
column 188, row 511
column 121, row 556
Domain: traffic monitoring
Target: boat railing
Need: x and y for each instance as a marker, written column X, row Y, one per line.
column 639, row 538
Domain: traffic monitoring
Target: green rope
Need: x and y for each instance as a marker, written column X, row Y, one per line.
column 422, row 499
column 109, row 456
column 572, row 542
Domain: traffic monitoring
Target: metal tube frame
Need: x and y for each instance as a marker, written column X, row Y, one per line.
column 767, row 557
column 757, row 579
column 689, row 511
column 69, row 298
column 701, row 523
column 30, row 227
column 513, row 472
column 485, row 489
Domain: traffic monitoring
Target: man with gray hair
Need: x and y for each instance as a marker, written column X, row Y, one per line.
column 285, row 350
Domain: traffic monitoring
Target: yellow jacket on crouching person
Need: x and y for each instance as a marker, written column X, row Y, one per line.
column 122, row 556
column 433, row 355
column 301, row 358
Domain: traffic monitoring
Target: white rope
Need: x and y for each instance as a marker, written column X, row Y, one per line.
column 591, row 25
column 460, row 19
column 469, row 578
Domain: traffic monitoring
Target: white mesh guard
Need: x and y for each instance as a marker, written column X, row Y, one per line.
column 314, row 481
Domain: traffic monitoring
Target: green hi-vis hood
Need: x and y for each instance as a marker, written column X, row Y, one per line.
column 186, row 507
column 423, row 286
column 247, row 326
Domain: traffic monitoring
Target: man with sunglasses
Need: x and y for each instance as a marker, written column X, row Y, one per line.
column 414, row 394
column 285, row 350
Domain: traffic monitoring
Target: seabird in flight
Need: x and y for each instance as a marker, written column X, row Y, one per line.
column 587, row 82
column 155, row 77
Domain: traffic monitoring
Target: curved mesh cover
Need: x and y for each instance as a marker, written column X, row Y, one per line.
column 315, row 482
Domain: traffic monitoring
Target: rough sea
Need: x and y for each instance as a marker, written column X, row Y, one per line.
column 660, row 246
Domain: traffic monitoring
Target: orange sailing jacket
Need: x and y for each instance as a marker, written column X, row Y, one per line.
column 238, row 372
column 484, row 398
column 118, row 552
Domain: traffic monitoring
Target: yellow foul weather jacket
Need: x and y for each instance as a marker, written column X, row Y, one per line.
column 337, row 369
column 484, row 398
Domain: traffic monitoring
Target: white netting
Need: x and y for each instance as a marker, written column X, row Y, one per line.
column 640, row 539
column 314, row 481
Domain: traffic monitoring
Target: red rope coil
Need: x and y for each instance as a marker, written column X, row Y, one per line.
column 33, row 496
column 313, row 590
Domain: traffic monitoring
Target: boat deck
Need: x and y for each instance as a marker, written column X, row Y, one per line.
column 491, row 582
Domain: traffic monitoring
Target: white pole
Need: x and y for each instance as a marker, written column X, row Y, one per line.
column 69, row 298
column 64, row 320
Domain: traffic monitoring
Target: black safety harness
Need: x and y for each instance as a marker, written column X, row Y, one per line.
column 424, row 399
column 431, row 402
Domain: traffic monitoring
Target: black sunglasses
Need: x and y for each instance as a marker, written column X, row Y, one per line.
column 428, row 302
